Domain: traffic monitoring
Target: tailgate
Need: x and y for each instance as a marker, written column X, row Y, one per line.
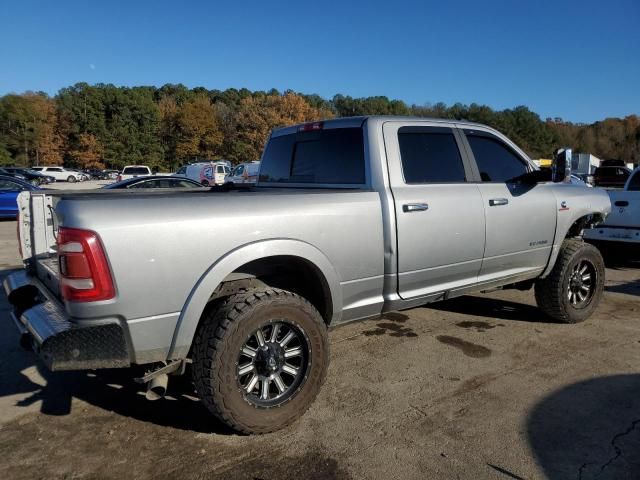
column 625, row 209
column 37, row 230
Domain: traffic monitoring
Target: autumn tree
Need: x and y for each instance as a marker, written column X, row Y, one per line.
column 257, row 116
column 88, row 153
column 197, row 131
column 29, row 129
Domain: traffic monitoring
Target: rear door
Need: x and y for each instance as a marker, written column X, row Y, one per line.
column 439, row 214
column 520, row 218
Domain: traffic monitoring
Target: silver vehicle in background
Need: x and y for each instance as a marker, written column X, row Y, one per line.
column 350, row 218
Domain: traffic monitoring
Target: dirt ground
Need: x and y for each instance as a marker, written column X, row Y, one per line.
column 477, row 387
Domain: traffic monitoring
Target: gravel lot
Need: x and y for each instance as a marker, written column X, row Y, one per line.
column 476, row 387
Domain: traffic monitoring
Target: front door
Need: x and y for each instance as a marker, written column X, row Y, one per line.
column 439, row 215
column 520, row 217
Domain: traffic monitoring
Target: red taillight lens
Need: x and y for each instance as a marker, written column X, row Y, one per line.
column 310, row 127
column 84, row 270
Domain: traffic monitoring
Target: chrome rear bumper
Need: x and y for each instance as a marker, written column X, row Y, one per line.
column 63, row 345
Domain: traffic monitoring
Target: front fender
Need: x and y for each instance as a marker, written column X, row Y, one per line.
column 575, row 203
column 216, row 273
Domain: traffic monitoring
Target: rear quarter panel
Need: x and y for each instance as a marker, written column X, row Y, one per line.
column 160, row 247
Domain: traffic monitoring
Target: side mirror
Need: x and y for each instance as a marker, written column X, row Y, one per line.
column 561, row 168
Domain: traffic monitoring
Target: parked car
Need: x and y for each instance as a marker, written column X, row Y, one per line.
column 82, row 175
column 155, row 182
column 243, row 174
column 109, row 174
column 611, row 176
column 134, row 171
column 31, row 176
column 8, row 173
column 350, row 218
column 61, row 174
column 10, row 187
column 622, row 226
column 206, row 173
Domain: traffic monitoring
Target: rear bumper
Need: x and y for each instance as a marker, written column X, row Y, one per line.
column 617, row 234
column 61, row 344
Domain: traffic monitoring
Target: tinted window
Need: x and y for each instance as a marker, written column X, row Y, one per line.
column 634, row 182
column 220, row 169
column 430, row 155
column 54, row 169
column 181, row 171
column 37, row 169
column 239, row 170
column 135, row 171
column 496, row 161
column 183, row 184
column 324, row 156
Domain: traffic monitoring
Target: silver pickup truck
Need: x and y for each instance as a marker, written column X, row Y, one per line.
column 350, row 218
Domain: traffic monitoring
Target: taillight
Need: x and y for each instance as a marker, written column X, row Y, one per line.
column 84, row 270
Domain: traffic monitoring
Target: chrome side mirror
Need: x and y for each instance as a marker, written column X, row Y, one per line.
column 561, row 168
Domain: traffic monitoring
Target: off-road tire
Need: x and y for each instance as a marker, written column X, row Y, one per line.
column 551, row 292
column 218, row 341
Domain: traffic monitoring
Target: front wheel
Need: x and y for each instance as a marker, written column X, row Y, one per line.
column 260, row 359
column 573, row 289
column 71, row 179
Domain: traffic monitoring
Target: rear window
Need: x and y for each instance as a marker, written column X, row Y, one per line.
column 135, row 171
column 334, row 156
column 430, row 155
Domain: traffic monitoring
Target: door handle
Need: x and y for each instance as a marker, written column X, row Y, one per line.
column 494, row 202
column 621, row 203
column 415, row 207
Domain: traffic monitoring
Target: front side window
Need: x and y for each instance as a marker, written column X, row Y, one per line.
column 55, row 169
column 181, row 171
column 430, row 155
column 239, row 171
column 333, row 156
column 495, row 160
column 634, row 182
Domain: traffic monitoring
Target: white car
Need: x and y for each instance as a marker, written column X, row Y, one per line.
column 245, row 173
column 133, row 171
column 205, row 173
column 61, row 174
column 623, row 223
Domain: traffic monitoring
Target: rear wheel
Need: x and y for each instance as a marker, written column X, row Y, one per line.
column 260, row 359
column 573, row 289
column 71, row 179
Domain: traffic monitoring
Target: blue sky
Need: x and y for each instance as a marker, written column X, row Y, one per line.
column 579, row 60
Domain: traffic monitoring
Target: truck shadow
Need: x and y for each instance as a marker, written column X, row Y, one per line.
column 479, row 306
column 589, row 429
column 111, row 390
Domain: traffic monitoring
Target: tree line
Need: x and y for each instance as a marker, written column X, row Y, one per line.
column 103, row 125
